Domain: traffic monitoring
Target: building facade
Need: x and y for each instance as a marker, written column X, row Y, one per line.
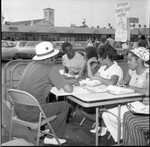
column 45, row 30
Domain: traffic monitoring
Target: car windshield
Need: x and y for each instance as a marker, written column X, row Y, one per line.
column 4, row 44
column 79, row 44
column 11, row 44
column 22, row 44
column 32, row 43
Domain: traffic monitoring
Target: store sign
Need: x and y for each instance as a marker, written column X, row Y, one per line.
column 134, row 20
column 122, row 12
column 32, row 30
column 69, row 31
column 52, row 30
column 13, row 29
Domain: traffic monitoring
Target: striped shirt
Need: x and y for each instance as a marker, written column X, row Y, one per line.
column 134, row 127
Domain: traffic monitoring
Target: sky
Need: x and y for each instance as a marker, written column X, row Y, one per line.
column 67, row 12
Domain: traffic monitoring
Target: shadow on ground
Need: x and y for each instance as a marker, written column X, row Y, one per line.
column 76, row 134
column 80, row 135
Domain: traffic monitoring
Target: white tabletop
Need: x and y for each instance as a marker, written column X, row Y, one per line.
column 79, row 90
column 103, row 98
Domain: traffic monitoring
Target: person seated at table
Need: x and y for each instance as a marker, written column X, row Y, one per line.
column 134, row 129
column 38, row 78
column 72, row 61
column 90, row 52
column 109, row 73
column 137, row 78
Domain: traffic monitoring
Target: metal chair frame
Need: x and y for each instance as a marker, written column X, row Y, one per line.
column 22, row 97
column 12, row 72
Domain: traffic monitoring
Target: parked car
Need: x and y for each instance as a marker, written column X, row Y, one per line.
column 8, row 52
column 21, row 43
column 28, row 51
column 11, row 43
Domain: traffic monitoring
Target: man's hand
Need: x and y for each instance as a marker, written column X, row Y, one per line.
column 74, row 82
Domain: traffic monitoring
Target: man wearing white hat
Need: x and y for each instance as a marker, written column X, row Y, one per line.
column 38, row 78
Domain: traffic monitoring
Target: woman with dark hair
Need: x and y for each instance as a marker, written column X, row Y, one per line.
column 90, row 52
column 110, row 73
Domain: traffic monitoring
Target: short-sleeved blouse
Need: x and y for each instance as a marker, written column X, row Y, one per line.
column 138, row 80
column 115, row 69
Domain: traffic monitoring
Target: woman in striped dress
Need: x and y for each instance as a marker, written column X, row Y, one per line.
column 134, row 127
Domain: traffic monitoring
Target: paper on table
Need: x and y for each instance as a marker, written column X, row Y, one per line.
column 99, row 88
column 76, row 89
column 79, row 90
column 88, row 82
column 119, row 90
column 138, row 107
column 61, row 71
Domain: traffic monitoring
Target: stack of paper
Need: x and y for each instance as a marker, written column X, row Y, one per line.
column 76, row 89
column 100, row 88
column 62, row 72
column 88, row 82
column 119, row 90
column 138, row 107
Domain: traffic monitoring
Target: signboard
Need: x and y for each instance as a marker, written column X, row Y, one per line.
column 134, row 20
column 122, row 13
column 13, row 29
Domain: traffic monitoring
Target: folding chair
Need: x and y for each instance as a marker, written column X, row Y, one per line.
column 21, row 97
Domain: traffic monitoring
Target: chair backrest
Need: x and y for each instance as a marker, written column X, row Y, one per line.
column 12, row 73
column 22, row 97
column 16, row 73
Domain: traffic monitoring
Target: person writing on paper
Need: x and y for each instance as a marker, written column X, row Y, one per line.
column 110, row 73
column 72, row 61
column 38, row 78
column 137, row 79
column 90, row 52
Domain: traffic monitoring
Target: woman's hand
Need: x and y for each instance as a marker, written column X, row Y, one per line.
column 93, row 59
